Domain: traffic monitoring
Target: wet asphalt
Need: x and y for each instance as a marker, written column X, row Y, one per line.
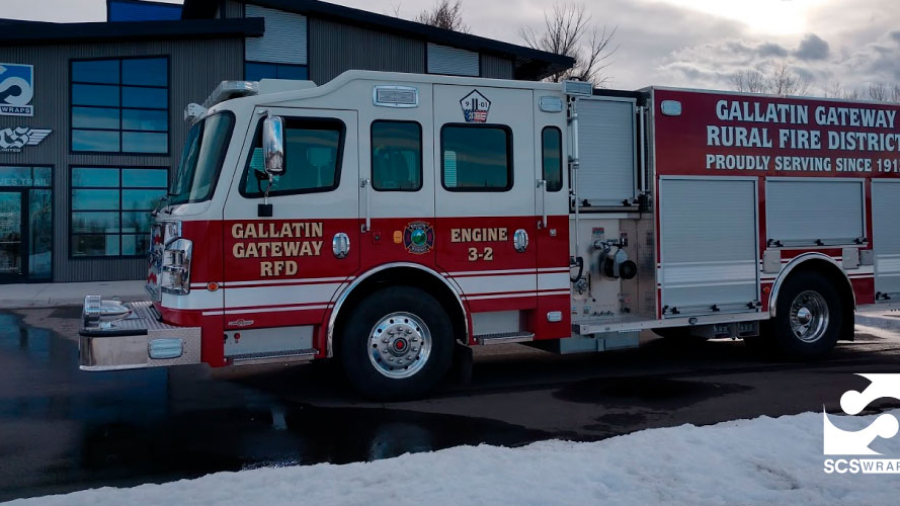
column 63, row 430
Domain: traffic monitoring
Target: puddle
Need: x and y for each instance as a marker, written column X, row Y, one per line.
column 63, row 430
column 646, row 392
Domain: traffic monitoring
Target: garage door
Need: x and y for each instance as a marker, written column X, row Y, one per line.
column 708, row 246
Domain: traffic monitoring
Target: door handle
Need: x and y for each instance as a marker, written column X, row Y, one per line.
column 364, row 191
column 542, row 187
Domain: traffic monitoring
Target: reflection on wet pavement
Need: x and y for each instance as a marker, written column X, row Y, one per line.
column 63, row 430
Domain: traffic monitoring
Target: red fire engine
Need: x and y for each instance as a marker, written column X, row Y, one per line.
column 390, row 220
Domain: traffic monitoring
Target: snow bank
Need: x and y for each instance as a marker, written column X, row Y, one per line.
column 761, row 461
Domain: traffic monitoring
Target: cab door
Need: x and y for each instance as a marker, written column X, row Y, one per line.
column 397, row 181
column 552, row 199
column 284, row 269
column 485, row 204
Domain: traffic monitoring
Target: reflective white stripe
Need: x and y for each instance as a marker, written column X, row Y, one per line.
column 556, row 292
column 493, row 284
column 254, row 310
column 306, row 281
column 553, row 281
column 517, row 295
column 502, row 296
column 486, row 273
column 196, row 299
column 273, row 295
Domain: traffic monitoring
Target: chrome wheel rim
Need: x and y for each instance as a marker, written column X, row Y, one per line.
column 399, row 345
column 809, row 316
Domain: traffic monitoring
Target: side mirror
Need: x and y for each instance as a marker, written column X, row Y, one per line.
column 273, row 145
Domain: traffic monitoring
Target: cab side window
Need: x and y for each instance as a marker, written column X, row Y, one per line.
column 551, row 155
column 312, row 158
column 396, row 156
column 476, row 157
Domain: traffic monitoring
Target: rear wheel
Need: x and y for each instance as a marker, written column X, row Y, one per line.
column 808, row 317
column 397, row 344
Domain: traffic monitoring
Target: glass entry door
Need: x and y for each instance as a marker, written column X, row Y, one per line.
column 12, row 238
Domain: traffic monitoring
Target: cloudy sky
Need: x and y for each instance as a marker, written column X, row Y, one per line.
column 696, row 43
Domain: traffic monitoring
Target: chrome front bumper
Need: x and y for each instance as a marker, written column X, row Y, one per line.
column 136, row 341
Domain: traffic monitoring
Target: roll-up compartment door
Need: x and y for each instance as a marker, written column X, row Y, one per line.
column 886, row 240
column 804, row 212
column 606, row 145
column 709, row 252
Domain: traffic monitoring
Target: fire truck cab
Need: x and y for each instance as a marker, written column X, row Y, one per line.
column 389, row 220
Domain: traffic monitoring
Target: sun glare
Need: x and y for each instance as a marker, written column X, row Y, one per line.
column 776, row 17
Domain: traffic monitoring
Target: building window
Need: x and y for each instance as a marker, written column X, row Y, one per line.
column 396, row 156
column 312, row 159
column 254, row 71
column 120, row 105
column 551, row 154
column 476, row 157
column 111, row 209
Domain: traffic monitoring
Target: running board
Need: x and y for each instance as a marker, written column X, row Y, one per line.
column 505, row 337
column 274, row 357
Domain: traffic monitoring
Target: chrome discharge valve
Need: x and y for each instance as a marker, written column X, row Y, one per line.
column 614, row 262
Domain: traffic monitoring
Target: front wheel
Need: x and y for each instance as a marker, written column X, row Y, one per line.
column 809, row 317
column 397, row 345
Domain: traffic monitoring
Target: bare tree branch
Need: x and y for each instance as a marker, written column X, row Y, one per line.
column 780, row 80
column 836, row 89
column 565, row 27
column 445, row 14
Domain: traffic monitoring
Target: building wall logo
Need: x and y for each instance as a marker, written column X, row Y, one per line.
column 475, row 107
column 839, row 442
column 16, row 89
column 12, row 140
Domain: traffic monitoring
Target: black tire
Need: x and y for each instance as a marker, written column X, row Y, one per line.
column 356, row 344
column 810, row 290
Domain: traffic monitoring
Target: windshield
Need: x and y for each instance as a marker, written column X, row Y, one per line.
column 202, row 159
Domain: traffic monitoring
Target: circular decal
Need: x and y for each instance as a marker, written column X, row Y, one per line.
column 418, row 238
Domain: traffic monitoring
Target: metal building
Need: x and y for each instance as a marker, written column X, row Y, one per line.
column 91, row 122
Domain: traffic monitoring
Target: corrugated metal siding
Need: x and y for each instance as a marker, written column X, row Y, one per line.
column 192, row 76
column 335, row 48
column 496, row 67
column 285, row 39
column 233, row 9
column 452, row 61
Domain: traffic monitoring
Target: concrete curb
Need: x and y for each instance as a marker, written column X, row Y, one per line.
column 47, row 295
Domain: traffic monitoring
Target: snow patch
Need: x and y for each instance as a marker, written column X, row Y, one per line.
column 760, row 461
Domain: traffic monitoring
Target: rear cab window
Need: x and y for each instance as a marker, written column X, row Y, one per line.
column 396, row 155
column 476, row 158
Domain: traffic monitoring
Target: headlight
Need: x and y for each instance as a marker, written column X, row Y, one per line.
column 176, row 268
